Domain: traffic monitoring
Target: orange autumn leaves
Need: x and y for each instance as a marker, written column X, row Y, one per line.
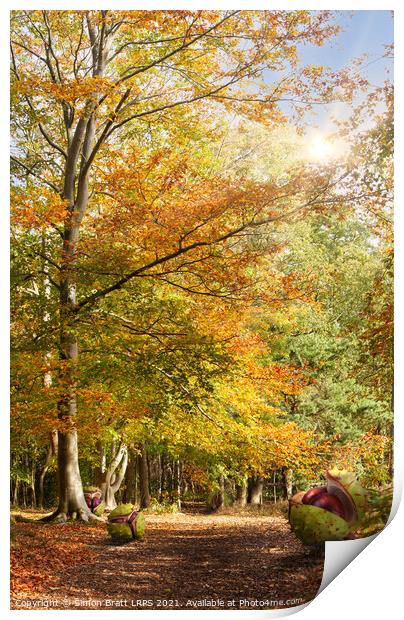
column 34, row 548
column 36, row 207
column 160, row 215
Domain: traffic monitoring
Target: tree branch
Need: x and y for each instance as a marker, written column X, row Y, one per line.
column 35, row 174
column 198, row 244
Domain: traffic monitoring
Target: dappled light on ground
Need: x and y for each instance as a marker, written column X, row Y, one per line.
column 185, row 560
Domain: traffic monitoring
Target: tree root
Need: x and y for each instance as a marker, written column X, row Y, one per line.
column 81, row 515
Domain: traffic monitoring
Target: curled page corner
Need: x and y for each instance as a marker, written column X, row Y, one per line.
column 338, row 554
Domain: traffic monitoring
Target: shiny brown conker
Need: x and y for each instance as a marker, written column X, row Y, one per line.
column 313, row 494
column 331, row 503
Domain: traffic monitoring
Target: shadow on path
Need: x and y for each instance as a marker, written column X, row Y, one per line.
column 188, row 561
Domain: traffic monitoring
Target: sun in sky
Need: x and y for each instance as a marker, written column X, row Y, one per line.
column 320, row 149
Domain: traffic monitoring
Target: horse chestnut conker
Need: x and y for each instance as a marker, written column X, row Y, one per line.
column 331, row 503
column 313, row 494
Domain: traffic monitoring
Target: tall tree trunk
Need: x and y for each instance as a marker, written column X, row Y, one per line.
column 288, row 477
column 179, row 484
column 112, row 476
column 241, row 494
column 137, row 501
column 163, row 476
column 47, row 381
column 52, row 449
column 256, row 487
column 172, row 479
column 16, row 490
column 76, row 194
column 219, row 497
column 129, row 492
column 159, row 476
column 144, row 479
column 71, row 497
column 33, row 479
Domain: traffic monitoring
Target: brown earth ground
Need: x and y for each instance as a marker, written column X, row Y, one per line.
column 185, row 561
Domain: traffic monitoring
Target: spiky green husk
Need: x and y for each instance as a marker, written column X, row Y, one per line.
column 140, row 526
column 99, row 511
column 122, row 531
column 92, row 490
column 315, row 525
column 341, row 478
column 121, row 510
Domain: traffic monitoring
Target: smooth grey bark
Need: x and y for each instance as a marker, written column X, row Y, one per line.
column 241, row 494
column 53, row 438
column 219, row 497
column 163, row 476
column 112, row 477
column 71, row 497
column 144, row 478
column 159, row 476
column 33, row 491
column 50, row 454
column 129, row 494
column 288, row 477
column 179, row 479
column 72, row 503
column 15, row 493
column 256, row 488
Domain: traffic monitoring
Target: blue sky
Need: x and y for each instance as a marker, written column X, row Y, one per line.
column 364, row 32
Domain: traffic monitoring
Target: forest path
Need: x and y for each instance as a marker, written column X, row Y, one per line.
column 185, row 561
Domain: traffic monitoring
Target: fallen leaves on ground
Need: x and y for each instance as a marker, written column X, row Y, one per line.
column 185, row 561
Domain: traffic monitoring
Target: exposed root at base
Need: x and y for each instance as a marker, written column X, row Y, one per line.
column 84, row 516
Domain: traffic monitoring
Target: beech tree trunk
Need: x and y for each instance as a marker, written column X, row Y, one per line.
column 179, row 476
column 81, row 141
column 144, row 479
column 163, row 476
column 288, row 477
column 52, row 449
column 71, row 497
column 241, row 494
column 33, row 491
column 129, row 495
column 219, row 497
column 256, row 487
column 111, row 478
column 159, row 476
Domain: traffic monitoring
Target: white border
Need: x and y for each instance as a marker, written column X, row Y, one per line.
column 370, row 586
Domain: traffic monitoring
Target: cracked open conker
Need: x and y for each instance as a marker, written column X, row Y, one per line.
column 313, row 494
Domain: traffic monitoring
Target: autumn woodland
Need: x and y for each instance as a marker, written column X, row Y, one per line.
column 201, row 301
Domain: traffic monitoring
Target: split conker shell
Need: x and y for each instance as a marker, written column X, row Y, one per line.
column 99, row 511
column 122, row 532
column 331, row 515
column 314, row 525
column 331, row 503
column 312, row 494
column 348, row 489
